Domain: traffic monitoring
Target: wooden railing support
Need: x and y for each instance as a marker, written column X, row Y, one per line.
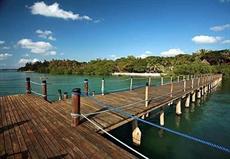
column 65, row 95
column 44, row 89
column 86, row 87
column 28, row 86
column 103, row 86
column 76, row 94
column 59, row 94
column 131, row 83
column 162, row 80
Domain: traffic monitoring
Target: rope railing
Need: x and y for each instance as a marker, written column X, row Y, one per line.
column 39, row 94
column 116, row 139
column 38, row 84
column 134, row 117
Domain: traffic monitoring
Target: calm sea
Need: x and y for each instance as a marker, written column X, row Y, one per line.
column 208, row 118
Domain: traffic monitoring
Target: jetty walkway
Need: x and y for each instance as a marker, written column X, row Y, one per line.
column 33, row 127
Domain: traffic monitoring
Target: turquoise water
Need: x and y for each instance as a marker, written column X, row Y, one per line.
column 208, row 118
column 14, row 83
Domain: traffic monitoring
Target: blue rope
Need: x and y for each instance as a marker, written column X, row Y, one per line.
column 219, row 147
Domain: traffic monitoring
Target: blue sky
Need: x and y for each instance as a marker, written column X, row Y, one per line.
column 89, row 29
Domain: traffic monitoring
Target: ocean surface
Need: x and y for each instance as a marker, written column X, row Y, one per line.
column 208, row 118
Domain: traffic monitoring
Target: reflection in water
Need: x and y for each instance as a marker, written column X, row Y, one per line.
column 198, row 102
column 161, row 133
column 186, row 113
column 192, row 107
column 178, row 119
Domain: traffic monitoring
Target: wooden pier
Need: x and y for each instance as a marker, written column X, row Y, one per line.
column 31, row 127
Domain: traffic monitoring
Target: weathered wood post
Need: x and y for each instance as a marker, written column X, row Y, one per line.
column 76, row 94
column 149, row 81
column 59, row 94
column 162, row 80
column 171, row 79
column 187, row 102
column 28, row 86
column 86, row 87
column 192, row 85
column 147, row 96
column 136, row 134
column 44, row 89
column 178, row 79
column 184, row 85
column 187, row 77
column 131, row 83
column 65, row 96
column 198, row 93
column 171, row 89
column 194, row 96
column 162, row 118
column 178, row 107
column 102, row 86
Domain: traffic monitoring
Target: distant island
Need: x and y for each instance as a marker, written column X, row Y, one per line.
column 200, row 62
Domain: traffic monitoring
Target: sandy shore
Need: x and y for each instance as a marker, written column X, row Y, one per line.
column 136, row 74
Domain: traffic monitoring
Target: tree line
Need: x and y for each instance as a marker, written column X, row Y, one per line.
column 202, row 61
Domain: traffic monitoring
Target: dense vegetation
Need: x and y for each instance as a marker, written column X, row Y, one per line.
column 203, row 61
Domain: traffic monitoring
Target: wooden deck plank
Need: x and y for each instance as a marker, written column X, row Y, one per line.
column 34, row 128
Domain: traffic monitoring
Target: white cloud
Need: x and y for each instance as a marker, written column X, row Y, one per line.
column 2, row 42
column 39, row 47
column 4, row 56
column 172, row 52
column 6, row 47
column 46, row 34
column 226, row 42
column 23, row 61
column 223, row 1
column 204, row 39
column 146, row 54
column 113, row 57
column 220, row 27
column 53, row 52
column 53, row 10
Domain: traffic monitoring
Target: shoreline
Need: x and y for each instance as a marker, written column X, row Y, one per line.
column 136, row 74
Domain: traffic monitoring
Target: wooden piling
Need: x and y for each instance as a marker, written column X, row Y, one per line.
column 162, row 120
column 44, row 89
column 149, row 81
column 86, row 87
column 102, row 86
column 76, row 93
column 136, row 133
column 59, row 94
column 28, row 86
column 162, row 80
column 65, row 95
column 171, row 89
column 184, row 85
column 187, row 102
column 131, row 83
column 147, row 97
column 146, row 94
column 178, row 107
